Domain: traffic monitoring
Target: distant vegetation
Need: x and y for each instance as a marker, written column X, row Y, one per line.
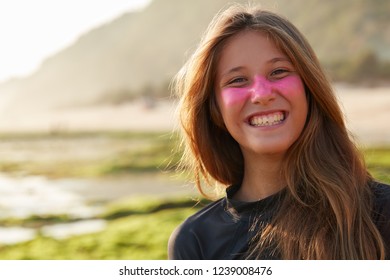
column 364, row 68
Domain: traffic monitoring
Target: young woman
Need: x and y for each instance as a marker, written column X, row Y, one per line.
column 260, row 117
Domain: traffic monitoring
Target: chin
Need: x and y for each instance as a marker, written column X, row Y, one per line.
column 269, row 149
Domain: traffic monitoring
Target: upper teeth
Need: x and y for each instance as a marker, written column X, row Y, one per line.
column 267, row 120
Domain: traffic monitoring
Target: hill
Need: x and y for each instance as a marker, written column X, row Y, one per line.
column 138, row 53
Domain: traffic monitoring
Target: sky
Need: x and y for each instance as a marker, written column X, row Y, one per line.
column 32, row 30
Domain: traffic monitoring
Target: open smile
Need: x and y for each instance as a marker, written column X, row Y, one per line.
column 267, row 119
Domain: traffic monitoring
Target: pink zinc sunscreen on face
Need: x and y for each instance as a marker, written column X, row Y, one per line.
column 261, row 88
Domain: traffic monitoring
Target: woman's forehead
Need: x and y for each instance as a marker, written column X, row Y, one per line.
column 247, row 47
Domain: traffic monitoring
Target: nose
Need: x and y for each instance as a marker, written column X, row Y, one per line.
column 262, row 91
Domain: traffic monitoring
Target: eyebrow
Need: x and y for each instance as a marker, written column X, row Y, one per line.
column 277, row 59
column 234, row 69
column 271, row 61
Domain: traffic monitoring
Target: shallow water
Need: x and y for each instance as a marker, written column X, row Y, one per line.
column 62, row 231
column 35, row 195
column 21, row 197
column 12, row 235
column 80, row 198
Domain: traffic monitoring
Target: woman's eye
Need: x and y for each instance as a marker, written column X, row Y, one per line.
column 237, row 81
column 279, row 73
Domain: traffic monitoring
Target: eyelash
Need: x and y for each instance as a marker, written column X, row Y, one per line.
column 237, row 80
column 279, row 71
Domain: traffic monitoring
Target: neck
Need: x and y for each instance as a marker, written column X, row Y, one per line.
column 262, row 178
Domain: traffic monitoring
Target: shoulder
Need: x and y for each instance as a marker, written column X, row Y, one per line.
column 184, row 242
column 381, row 201
column 381, row 211
column 381, row 194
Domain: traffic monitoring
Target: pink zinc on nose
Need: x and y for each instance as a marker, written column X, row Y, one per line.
column 287, row 85
column 261, row 86
column 235, row 95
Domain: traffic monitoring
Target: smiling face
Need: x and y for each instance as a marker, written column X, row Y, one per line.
column 261, row 97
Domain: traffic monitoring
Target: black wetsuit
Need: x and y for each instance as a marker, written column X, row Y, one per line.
column 224, row 228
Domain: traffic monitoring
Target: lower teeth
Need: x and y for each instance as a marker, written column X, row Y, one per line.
column 267, row 124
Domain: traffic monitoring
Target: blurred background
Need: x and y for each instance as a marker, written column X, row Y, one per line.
column 88, row 148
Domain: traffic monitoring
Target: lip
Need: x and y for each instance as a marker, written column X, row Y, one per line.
column 264, row 113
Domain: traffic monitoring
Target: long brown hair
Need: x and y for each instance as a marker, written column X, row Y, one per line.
column 326, row 212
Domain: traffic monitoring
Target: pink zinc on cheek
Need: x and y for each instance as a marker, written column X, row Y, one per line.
column 290, row 85
column 232, row 96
